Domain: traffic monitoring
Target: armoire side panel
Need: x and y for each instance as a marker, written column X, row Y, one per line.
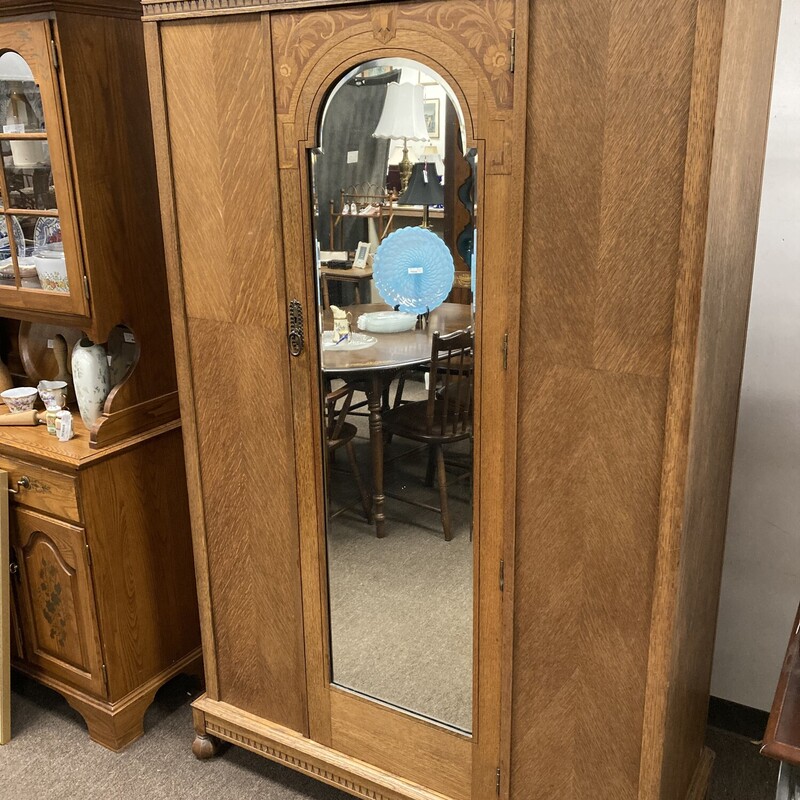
column 223, row 159
column 609, row 87
column 745, row 75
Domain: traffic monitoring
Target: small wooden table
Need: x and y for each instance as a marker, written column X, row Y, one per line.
column 376, row 366
column 352, row 275
column 782, row 737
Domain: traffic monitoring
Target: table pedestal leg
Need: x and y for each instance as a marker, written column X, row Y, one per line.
column 374, row 399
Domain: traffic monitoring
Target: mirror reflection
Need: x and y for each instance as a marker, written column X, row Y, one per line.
column 394, row 202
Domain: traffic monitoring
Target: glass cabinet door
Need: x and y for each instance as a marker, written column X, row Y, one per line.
column 40, row 259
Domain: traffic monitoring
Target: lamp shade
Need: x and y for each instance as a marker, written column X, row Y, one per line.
column 424, row 188
column 13, row 67
column 403, row 114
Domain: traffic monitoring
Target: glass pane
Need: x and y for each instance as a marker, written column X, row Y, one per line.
column 29, row 177
column 20, row 100
column 396, row 379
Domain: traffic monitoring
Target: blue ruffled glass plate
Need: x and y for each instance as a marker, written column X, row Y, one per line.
column 413, row 269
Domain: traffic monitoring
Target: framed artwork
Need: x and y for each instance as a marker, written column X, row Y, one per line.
column 431, row 110
column 360, row 261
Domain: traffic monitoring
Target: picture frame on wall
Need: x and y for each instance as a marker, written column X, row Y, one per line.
column 431, row 111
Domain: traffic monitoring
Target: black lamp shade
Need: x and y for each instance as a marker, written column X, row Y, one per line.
column 421, row 192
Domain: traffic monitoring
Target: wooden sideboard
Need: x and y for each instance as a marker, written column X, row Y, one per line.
column 104, row 605
column 619, row 153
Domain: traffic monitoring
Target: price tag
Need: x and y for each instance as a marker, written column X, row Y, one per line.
column 49, row 344
column 352, row 156
column 415, row 270
column 16, row 128
column 129, row 337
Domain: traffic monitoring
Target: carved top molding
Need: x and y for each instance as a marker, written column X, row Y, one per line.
column 113, row 8
column 176, row 9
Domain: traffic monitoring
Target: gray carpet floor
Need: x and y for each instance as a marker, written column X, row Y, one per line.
column 401, row 606
column 52, row 758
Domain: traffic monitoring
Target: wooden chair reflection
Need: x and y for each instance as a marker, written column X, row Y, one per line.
column 340, row 433
column 445, row 416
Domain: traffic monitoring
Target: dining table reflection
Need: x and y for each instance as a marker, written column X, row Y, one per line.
column 373, row 368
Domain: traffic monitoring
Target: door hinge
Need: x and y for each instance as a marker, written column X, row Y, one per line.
column 86, row 286
column 502, row 575
column 88, row 554
column 497, row 782
column 105, row 676
column 54, row 51
column 513, row 49
column 505, row 351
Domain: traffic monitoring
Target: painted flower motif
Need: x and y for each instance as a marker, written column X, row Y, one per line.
column 285, row 70
column 496, row 60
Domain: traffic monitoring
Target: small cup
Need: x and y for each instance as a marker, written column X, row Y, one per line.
column 19, row 399
column 53, row 393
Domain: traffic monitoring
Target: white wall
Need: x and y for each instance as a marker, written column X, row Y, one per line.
column 761, row 576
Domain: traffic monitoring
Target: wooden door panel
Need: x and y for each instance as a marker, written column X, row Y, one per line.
column 56, row 599
column 311, row 52
column 224, row 172
column 31, row 39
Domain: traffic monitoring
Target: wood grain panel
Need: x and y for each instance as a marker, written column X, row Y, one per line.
column 251, row 528
column 223, row 162
column 427, row 754
column 607, row 109
column 137, row 525
column 587, row 500
column 609, row 86
column 706, row 375
column 227, row 225
column 46, row 490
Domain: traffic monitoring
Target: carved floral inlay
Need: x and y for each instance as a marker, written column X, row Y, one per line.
column 481, row 27
column 50, row 601
column 296, row 37
column 484, row 27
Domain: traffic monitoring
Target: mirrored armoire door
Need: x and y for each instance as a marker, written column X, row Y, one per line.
column 399, row 148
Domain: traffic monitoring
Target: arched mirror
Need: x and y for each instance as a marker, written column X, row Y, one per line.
column 395, row 221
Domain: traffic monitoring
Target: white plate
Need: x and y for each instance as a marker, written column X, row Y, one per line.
column 357, row 341
column 387, row 321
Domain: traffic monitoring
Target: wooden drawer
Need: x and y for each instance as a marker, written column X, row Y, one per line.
column 44, row 490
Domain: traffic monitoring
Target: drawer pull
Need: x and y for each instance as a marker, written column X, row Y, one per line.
column 13, row 568
column 24, row 483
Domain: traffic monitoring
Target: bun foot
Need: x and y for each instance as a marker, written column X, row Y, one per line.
column 205, row 746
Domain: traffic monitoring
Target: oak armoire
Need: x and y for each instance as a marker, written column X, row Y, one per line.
column 614, row 151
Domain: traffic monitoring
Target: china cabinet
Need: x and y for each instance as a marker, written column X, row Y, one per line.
column 559, row 643
column 103, row 608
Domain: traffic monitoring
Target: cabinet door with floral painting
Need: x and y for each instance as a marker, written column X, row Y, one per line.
column 56, row 603
column 41, row 266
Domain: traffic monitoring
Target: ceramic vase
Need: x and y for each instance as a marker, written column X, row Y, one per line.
column 91, row 379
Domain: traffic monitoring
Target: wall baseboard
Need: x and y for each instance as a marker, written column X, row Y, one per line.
column 736, row 718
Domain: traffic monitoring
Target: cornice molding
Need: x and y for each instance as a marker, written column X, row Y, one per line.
column 178, row 9
column 107, row 8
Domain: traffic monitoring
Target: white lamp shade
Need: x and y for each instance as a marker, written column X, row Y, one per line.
column 13, row 67
column 403, row 114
